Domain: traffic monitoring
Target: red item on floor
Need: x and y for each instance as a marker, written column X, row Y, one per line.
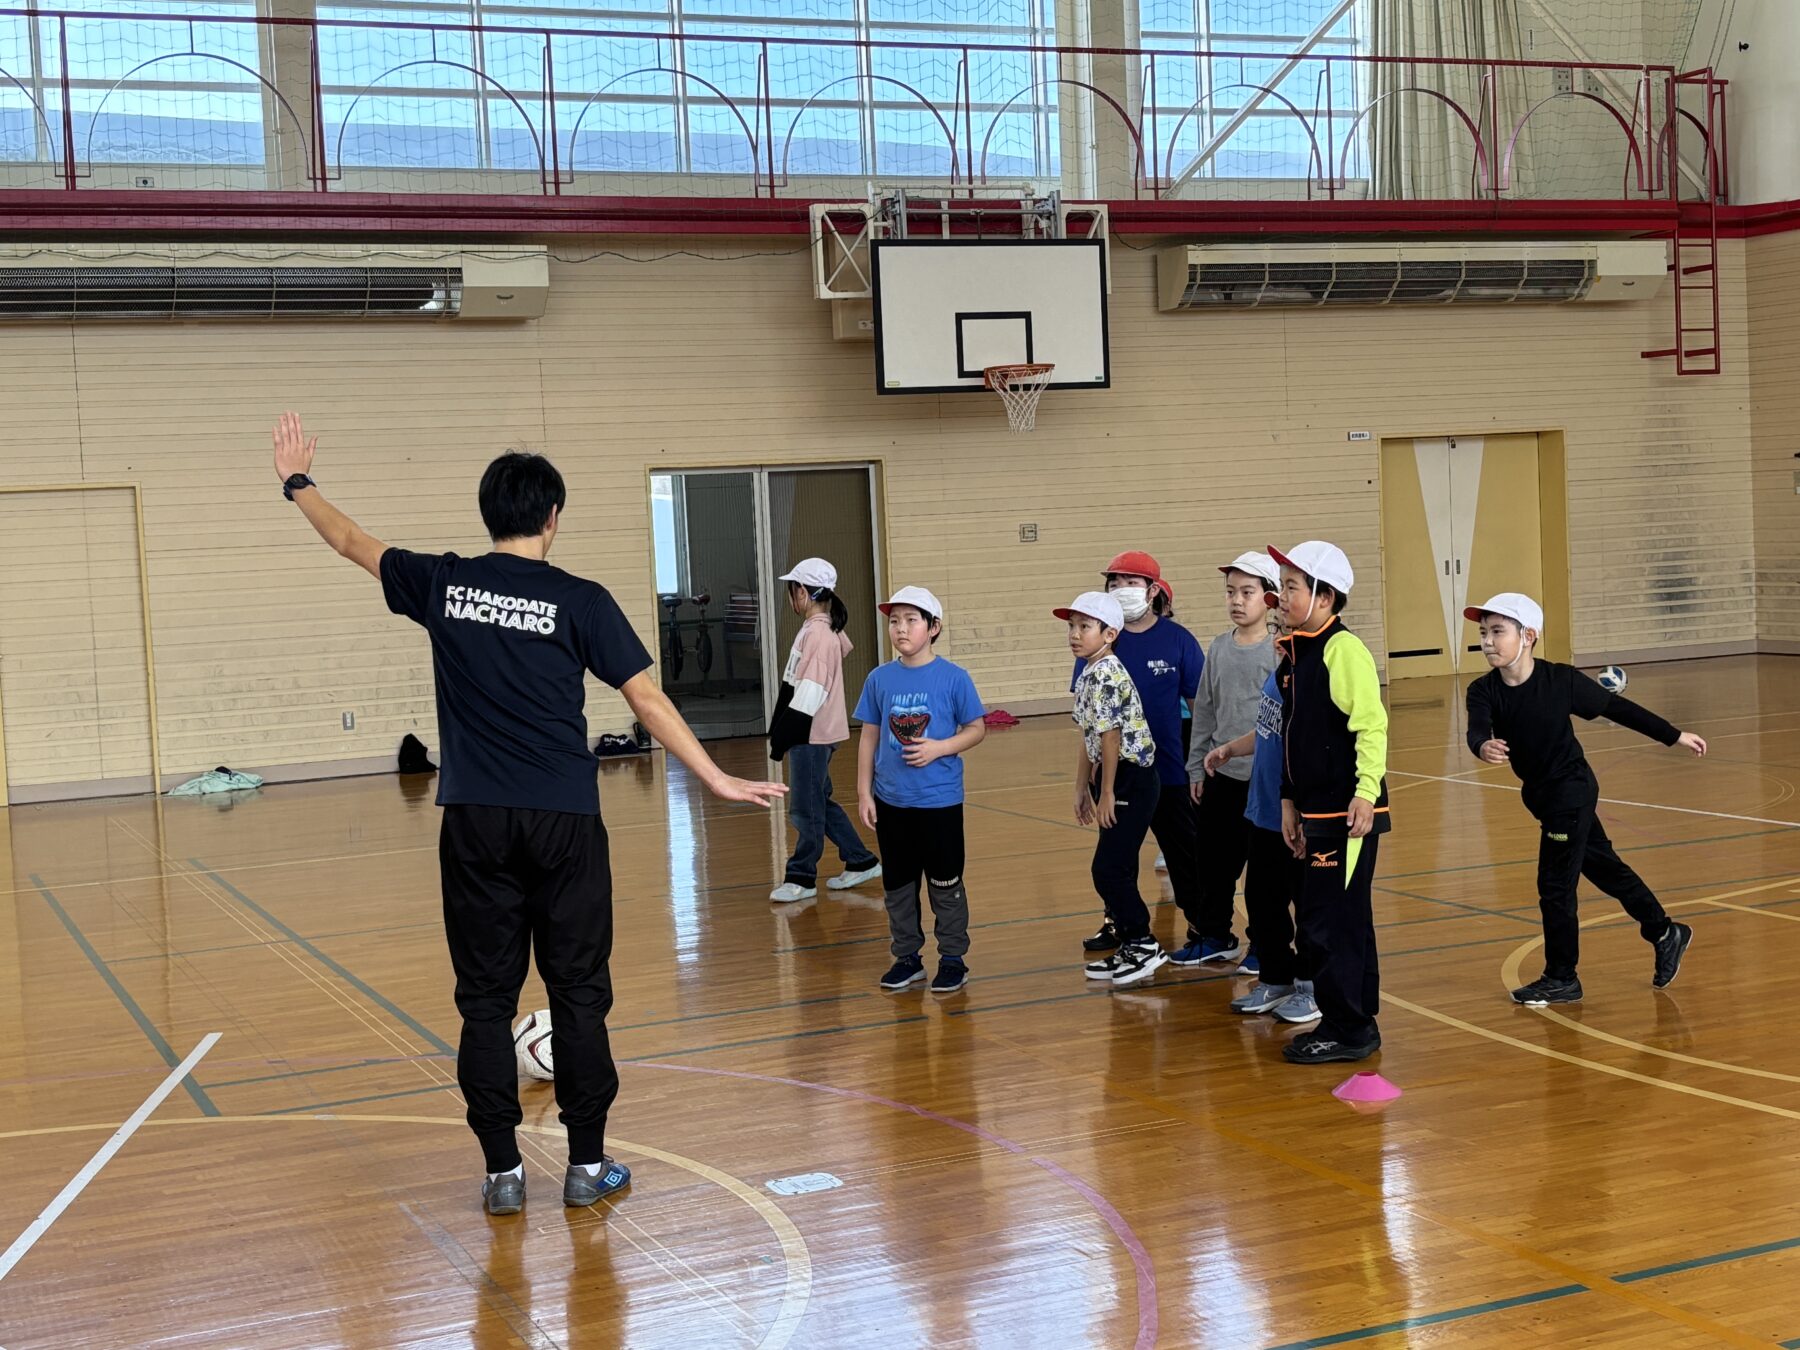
column 1001, row 718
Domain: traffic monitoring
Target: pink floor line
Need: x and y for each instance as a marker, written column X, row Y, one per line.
column 1134, row 1247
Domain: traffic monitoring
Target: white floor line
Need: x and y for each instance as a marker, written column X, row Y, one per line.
column 1606, row 801
column 78, row 1183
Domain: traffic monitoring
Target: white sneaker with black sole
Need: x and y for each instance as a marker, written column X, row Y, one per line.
column 1103, row 968
column 1137, row 962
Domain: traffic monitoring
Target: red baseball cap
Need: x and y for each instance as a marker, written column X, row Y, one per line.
column 1136, row 564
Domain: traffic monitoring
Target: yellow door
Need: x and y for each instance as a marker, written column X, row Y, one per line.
column 1505, row 549
column 1415, row 556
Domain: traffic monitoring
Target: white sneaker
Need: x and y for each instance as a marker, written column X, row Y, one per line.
column 1161, row 864
column 788, row 892
column 843, row 881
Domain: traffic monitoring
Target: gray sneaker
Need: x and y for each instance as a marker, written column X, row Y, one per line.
column 581, row 1189
column 505, row 1194
column 1300, row 1006
column 1262, row 998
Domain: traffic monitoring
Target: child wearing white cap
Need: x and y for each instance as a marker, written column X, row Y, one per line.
column 1115, row 783
column 1333, row 798
column 809, row 724
column 1519, row 716
column 1225, row 708
column 919, row 713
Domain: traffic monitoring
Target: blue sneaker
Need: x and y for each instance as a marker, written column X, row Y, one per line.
column 1203, row 952
column 582, row 1188
column 1250, row 965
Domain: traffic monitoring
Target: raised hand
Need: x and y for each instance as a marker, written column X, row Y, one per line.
column 293, row 447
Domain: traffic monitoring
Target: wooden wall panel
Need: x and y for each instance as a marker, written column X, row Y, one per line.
column 1773, row 302
column 1221, row 432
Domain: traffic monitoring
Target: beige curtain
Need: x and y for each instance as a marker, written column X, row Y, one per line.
column 1419, row 148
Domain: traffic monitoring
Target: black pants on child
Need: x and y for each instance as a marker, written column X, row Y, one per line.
column 1116, row 856
column 1176, row 826
column 923, row 845
column 1337, row 925
column 516, row 879
column 1224, row 847
column 1574, row 845
column 1272, row 881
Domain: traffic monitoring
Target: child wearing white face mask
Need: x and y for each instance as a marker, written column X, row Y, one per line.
column 1519, row 716
column 1164, row 661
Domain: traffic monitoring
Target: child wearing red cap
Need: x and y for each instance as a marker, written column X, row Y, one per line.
column 1165, row 662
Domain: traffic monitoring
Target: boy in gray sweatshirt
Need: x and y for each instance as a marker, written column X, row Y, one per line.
column 1231, row 685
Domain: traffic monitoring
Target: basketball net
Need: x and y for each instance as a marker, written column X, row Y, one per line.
column 1020, row 388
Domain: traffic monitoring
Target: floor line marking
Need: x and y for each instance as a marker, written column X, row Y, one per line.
column 103, row 1155
column 138, row 1015
column 1511, row 974
column 1604, row 801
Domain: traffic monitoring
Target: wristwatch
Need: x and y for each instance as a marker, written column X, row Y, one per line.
column 294, row 483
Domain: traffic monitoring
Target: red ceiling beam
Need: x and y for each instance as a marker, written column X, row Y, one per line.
column 141, row 214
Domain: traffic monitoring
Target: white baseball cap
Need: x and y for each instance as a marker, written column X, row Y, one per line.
column 813, row 573
column 916, row 596
column 1096, row 605
column 1258, row 565
column 1521, row 609
column 1319, row 560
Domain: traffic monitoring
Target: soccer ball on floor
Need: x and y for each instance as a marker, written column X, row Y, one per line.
column 1612, row 679
column 531, row 1046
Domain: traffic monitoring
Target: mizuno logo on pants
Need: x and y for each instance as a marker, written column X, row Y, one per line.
column 1325, row 859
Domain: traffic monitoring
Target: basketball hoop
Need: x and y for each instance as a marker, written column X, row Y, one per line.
column 1020, row 388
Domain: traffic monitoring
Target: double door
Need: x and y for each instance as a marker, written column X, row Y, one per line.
column 1462, row 519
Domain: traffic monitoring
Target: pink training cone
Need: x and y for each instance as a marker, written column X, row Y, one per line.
column 1365, row 1087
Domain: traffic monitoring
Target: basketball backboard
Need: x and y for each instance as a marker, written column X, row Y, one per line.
column 945, row 309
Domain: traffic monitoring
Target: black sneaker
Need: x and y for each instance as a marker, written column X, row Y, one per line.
column 1547, row 989
column 1103, row 941
column 951, row 975
column 907, row 970
column 1670, row 948
column 1317, row 1049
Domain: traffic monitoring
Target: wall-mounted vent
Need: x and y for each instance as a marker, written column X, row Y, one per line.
column 122, row 282
column 1265, row 276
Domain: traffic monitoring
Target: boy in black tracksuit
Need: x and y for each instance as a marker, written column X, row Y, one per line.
column 1333, row 798
column 1519, row 715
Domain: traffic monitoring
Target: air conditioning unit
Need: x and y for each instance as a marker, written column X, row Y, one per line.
column 1479, row 272
column 272, row 281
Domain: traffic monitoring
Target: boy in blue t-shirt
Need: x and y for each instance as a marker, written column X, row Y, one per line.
column 1272, row 876
column 919, row 713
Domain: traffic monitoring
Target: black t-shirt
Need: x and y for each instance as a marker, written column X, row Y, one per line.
column 510, row 640
column 1533, row 719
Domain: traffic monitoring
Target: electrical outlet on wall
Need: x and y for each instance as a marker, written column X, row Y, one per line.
column 1028, row 533
column 349, row 721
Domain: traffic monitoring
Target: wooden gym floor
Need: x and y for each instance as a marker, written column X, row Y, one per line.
column 1034, row 1161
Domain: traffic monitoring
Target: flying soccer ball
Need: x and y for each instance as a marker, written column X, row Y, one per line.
column 1612, row 679
column 531, row 1046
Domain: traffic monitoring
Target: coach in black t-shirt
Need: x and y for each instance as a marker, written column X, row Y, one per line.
column 522, row 850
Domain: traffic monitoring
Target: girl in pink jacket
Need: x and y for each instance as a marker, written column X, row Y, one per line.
column 809, row 724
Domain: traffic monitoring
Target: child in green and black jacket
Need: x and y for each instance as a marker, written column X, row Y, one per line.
column 1333, row 798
